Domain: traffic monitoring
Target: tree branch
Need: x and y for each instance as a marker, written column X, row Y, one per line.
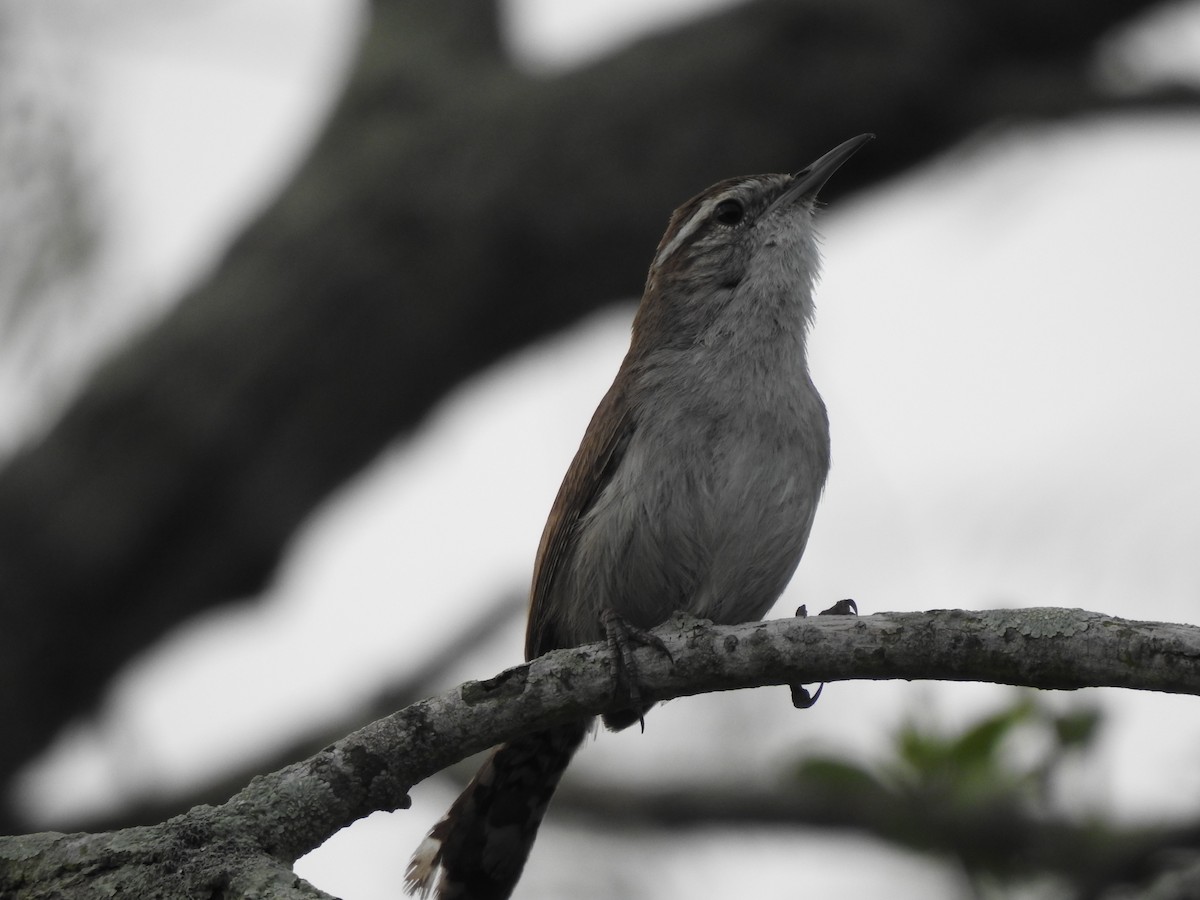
column 246, row 845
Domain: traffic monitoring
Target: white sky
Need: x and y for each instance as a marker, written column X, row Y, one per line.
column 1006, row 342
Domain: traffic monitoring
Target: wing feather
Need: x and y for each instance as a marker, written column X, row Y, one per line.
column 590, row 471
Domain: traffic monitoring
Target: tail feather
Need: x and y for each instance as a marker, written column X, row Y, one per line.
column 479, row 848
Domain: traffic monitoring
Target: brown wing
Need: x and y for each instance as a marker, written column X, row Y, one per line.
column 592, row 468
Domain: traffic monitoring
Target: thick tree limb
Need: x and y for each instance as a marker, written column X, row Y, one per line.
column 244, row 846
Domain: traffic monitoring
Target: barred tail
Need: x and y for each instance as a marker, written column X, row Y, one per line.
column 478, row 849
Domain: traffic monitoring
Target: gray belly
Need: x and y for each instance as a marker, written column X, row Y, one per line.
column 717, row 533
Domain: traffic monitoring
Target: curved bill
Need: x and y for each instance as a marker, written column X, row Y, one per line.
column 808, row 181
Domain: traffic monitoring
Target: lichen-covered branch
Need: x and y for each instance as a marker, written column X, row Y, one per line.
column 245, row 846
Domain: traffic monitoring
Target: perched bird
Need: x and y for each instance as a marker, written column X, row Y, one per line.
column 694, row 488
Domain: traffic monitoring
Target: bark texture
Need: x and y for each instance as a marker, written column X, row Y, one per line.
column 244, row 848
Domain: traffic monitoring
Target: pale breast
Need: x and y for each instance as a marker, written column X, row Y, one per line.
column 709, row 512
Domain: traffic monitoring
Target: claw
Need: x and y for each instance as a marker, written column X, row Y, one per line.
column 621, row 636
column 801, row 698
column 845, row 607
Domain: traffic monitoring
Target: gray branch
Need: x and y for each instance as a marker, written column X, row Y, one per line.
column 245, row 847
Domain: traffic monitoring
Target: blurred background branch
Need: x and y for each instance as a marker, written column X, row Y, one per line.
column 424, row 677
column 970, row 797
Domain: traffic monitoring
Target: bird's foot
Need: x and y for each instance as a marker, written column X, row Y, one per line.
column 801, row 698
column 621, row 637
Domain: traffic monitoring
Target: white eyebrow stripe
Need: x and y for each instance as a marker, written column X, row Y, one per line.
column 689, row 228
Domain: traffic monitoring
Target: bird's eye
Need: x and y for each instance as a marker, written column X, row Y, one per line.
column 729, row 212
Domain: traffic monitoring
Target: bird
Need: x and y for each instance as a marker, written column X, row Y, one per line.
column 694, row 488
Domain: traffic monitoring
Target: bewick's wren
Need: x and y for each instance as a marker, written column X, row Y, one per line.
column 694, row 488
